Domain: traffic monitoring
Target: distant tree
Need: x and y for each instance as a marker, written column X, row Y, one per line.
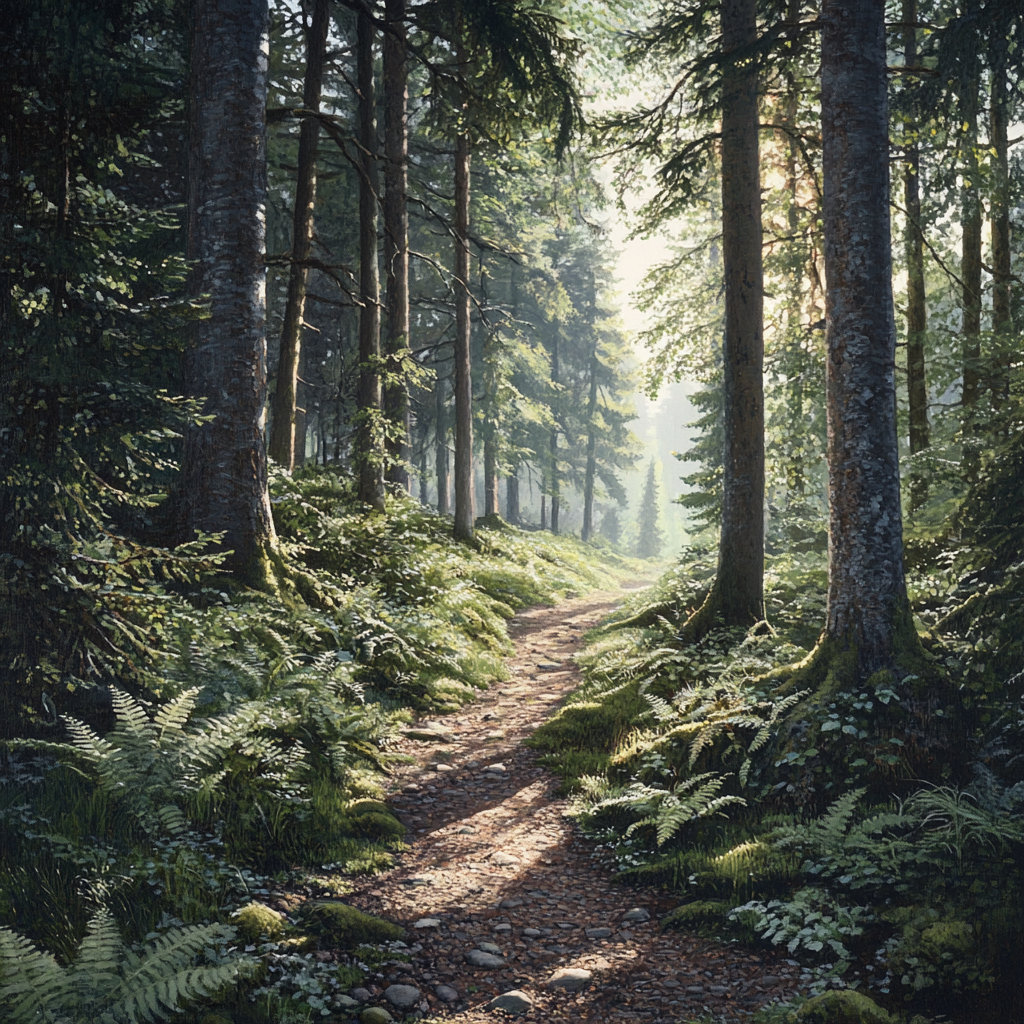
column 650, row 539
column 610, row 526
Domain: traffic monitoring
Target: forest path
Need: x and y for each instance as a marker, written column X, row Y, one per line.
column 494, row 866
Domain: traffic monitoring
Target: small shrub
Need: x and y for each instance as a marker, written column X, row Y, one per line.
column 257, row 921
column 339, row 926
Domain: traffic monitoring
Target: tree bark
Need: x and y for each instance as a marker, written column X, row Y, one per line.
column 370, row 445
column 441, row 463
column 866, row 583
column 512, row 513
column 737, row 596
column 591, row 471
column 917, row 310
column 1002, row 322
column 283, row 423
column 491, row 502
column 463, row 363
column 396, row 240
column 224, row 470
column 555, row 488
column 970, row 273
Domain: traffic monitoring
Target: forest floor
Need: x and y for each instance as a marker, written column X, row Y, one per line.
column 495, row 866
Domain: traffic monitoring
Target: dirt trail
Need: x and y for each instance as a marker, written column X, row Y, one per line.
column 493, row 860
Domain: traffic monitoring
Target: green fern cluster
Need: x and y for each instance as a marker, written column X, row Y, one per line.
column 111, row 983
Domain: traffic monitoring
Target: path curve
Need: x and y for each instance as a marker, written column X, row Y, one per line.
column 493, row 859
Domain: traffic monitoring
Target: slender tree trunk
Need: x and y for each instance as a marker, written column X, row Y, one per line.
column 738, row 593
column 370, row 435
column 556, row 373
column 970, row 273
column 512, row 513
column 543, row 511
column 866, row 584
column 421, row 423
column 441, row 465
column 917, row 310
column 1002, row 323
column 224, row 470
column 396, row 240
column 463, row 364
column 282, row 428
column 591, row 470
column 492, row 506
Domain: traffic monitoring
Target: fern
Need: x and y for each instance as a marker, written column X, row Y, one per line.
column 111, row 984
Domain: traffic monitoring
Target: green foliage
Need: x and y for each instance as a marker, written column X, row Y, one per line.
column 256, row 920
column 841, row 1007
column 338, row 926
column 110, row 983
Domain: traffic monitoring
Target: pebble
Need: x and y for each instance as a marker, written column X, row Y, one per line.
column 509, row 904
column 347, row 1002
column 375, row 1015
column 637, row 914
column 532, row 933
column 497, row 734
column 446, row 993
column 599, row 933
column 478, row 958
column 466, row 830
column 427, row 922
column 402, row 996
column 571, row 979
column 549, row 664
column 695, row 990
column 496, row 768
column 503, row 927
column 426, row 736
column 514, row 1002
column 490, row 947
column 503, row 859
column 361, row 995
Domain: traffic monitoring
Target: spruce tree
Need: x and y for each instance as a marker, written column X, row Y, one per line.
column 650, row 538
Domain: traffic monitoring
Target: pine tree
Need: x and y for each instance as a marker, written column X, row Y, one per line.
column 650, row 537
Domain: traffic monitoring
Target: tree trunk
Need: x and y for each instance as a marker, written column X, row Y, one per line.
column 556, row 373
column 512, row 513
column 1002, row 323
column 396, row 241
column 491, row 503
column 370, row 445
column 543, row 511
column 591, row 470
column 866, row 584
column 463, row 364
column 970, row 273
column 738, row 593
column 917, row 311
column 224, row 470
column 283, row 424
column 441, row 465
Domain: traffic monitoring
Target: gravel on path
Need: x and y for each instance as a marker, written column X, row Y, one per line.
column 501, row 894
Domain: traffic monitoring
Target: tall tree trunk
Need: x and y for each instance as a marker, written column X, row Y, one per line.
column 866, row 585
column 543, row 511
column 591, row 470
column 491, row 503
column 283, row 440
column 1002, row 323
column 512, row 512
column 224, row 470
column 970, row 273
column 463, row 363
column 738, row 593
column 421, row 424
column 917, row 311
column 556, row 373
column 370, row 443
column 396, row 240
column 441, row 463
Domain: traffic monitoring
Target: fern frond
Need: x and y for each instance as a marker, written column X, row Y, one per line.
column 172, row 716
column 30, row 980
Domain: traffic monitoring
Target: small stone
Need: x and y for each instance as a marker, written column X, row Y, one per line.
column 549, row 664
column 718, row 990
column 440, row 766
column 503, row 859
column 346, row 1002
column 420, row 880
column 446, row 993
column 503, row 927
column 496, row 735
column 532, row 933
column 496, row 768
column 375, row 1015
column 466, row 830
column 509, row 904
column 599, row 933
column 637, row 914
column 514, row 1002
column 478, row 958
column 571, row 979
column 402, row 996
column 695, row 990
column 361, row 995
column 490, row 947
column 410, row 787
column 426, row 736
column 472, row 764
column 427, row 922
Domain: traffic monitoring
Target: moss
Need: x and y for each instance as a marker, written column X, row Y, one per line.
column 257, row 921
column 843, row 1006
column 699, row 915
column 377, row 826
column 339, row 926
column 597, row 725
column 955, row 937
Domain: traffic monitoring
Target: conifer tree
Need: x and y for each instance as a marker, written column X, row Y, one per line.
column 650, row 539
